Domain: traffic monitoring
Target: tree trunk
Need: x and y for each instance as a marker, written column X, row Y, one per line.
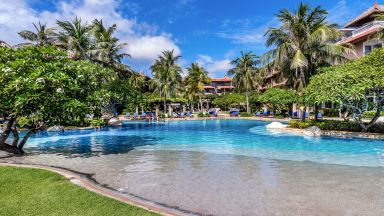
column 316, row 111
column 7, row 131
column 15, row 137
column 137, row 109
column 303, row 115
column 192, row 106
column 165, row 106
column 247, row 99
column 25, row 139
column 200, row 104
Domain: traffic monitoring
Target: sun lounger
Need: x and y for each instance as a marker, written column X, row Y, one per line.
column 258, row 114
column 295, row 115
column 234, row 112
column 189, row 114
column 127, row 115
column 143, row 115
column 319, row 116
column 182, row 115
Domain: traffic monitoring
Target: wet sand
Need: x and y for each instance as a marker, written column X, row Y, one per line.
column 212, row 184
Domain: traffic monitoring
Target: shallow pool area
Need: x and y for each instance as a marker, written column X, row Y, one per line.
column 231, row 137
column 224, row 167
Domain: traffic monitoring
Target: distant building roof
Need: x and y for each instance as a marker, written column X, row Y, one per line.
column 376, row 9
column 224, row 79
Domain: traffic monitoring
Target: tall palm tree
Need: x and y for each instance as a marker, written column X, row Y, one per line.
column 246, row 73
column 75, row 36
column 43, row 35
column 106, row 49
column 304, row 42
column 195, row 80
column 166, row 76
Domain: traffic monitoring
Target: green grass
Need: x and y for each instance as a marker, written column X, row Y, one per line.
column 26, row 192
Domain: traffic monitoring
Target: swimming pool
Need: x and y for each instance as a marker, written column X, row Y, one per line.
column 230, row 137
column 223, row 167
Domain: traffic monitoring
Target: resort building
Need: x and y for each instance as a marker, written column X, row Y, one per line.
column 359, row 31
column 219, row 86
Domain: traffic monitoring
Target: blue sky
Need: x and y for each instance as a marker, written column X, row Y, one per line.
column 211, row 32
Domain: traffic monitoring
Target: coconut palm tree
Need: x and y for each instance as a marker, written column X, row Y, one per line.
column 304, row 42
column 75, row 37
column 246, row 73
column 43, row 35
column 195, row 80
column 106, row 49
column 166, row 76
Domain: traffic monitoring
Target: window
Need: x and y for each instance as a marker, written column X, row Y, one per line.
column 369, row 48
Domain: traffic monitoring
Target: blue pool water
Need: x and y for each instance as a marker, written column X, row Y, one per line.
column 230, row 137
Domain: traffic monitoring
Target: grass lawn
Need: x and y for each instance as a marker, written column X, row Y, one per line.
column 25, row 191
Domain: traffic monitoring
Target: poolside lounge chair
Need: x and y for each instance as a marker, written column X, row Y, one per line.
column 212, row 112
column 306, row 115
column 174, row 115
column 127, row 115
column 135, row 115
column 266, row 113
column 143, row 115
column 258, row 114
column 189, row 114
column 295, row 115
column 319, row 116
column 290, row 113
column 234, row 112
column 182, row 115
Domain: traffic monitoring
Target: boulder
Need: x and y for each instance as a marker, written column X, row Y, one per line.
column 56, row 128
column 276, row 125
column 312, row 131
column 114, row 122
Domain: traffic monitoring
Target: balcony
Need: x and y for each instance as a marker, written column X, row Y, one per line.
column 365, row 29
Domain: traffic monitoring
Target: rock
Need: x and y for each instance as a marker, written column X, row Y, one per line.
column 56, row 128
column 114, row 122
column 312, row 131
column 276, row 125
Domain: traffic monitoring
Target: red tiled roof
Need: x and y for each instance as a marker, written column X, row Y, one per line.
column 359, row 36
column 225, row 79
column 375, row 9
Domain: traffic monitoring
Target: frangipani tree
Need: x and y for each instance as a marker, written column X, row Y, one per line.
column 357, row 86
column 278, row 98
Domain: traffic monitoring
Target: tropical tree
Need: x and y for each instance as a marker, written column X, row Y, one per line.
column 195, row 80
column 166, row 76
column 246, row 74
column 75, row 38
column 106, row 48
column 42, row 88
column 304, row 42
column 357, row 86
column 278, row 98
column 43, row 35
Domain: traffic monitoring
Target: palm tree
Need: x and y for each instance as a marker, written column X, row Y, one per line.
column 304, row 42
column 75, row 37
column 246, row 73
column 195, row 80
column 107, row 49
column 166, row 76
column 43, row 35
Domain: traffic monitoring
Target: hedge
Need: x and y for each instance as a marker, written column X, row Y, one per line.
column 336, row 125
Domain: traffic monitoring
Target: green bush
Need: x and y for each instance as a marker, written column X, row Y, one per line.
column 245, row 114
column 371, row 114
column 335, row 125
column 98, row 123
column 201, row 115
column 331, row 112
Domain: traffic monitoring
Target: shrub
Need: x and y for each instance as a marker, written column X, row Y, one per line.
column 245, row 114
column 336, row 125
column 98, row 123
column 201, row 115
column 370, row 114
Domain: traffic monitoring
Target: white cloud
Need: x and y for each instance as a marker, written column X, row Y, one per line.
column 215, row 67
column 144, row 40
